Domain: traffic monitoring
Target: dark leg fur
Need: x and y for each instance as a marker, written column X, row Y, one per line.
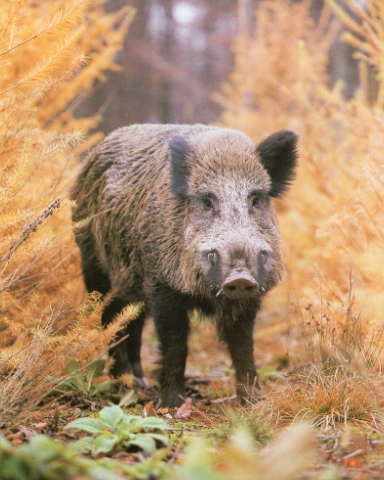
column 170, row 312
column 127, row 352
column 95, row 279
column 238, row 334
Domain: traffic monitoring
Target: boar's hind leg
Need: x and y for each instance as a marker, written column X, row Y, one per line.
column 238, row 334
column 127, row 353
column 95, row 278
column 170, row 314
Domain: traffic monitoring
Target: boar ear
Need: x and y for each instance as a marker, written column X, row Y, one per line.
column 179, row 149
column 278, row 156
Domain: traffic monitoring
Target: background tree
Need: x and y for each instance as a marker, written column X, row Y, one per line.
column 178, row 53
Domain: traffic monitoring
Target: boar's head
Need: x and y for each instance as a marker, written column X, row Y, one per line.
column 231, row 237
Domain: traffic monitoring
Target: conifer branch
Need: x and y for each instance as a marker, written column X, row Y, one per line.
column 30, row 228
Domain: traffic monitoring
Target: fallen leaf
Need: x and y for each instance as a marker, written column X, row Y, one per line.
column 28, row 432
column 40, row 425
column 196, row 414
column 352, row 462
column 123, row 456
column 149, row 410
column 16, row 441
column 162, row 411
column 184, row 411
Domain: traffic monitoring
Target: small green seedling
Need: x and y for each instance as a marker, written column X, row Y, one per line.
column 115, row 429
column 81, row 379
column 45, row 459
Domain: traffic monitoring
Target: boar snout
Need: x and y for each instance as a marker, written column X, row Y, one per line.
column 238, row 273
column 240, row 285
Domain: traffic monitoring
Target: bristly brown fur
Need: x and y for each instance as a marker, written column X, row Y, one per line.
column 144, row 189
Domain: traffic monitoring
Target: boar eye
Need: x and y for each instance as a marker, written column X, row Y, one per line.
column 257, row 198
column 208, row 204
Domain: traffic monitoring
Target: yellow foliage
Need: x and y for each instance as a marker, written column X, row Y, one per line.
column 51, row 53
column 332, row 221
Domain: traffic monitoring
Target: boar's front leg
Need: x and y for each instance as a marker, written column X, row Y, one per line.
column 237, row 332
column 170, row 314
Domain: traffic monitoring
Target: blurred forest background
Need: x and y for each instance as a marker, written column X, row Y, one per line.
column 177, row 55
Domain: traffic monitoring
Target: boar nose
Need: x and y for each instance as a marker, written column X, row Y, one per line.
column 240, row 285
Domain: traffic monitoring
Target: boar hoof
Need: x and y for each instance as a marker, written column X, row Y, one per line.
column 248, row 394
column 142, row 382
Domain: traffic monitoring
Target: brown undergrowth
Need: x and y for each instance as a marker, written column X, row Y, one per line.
column 332, row 220
column 51, row 53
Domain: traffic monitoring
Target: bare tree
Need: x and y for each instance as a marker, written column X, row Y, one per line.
column 178, row 53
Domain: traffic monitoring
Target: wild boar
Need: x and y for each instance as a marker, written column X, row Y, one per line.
column 181, row 218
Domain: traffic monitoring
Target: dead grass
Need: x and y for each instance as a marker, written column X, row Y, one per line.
column 328, row 311
column 51, row 54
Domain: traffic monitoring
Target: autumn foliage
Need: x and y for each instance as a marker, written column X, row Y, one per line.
column 332, row 221
column 328, row 310
column 51, row 55
column 319, row 337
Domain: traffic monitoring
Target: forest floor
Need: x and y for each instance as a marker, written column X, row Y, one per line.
column 343, row 451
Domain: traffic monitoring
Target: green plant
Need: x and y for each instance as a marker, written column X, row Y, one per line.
column 258, row 427
column 246, row 418
column 115, row 429
column 45, row 459
column 151, row 468
column 81, row 379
